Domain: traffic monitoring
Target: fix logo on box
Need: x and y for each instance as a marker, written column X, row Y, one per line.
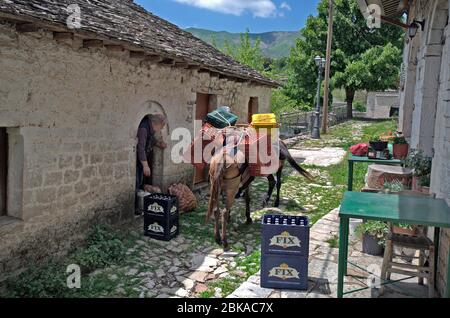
column 285, row 240
column 155, row 227
column 155, row 208
column 284, row 272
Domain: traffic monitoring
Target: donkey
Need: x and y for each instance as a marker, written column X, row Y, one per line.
column 226, row 174
column 284, row 155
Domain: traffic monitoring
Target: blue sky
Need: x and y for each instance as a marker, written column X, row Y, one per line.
column 234, row 15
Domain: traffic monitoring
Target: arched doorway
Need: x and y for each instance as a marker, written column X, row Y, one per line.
column 157, row 161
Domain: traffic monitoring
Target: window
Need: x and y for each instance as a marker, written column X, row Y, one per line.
column 3, row 170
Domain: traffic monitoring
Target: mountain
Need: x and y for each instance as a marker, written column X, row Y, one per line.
column 273, row 44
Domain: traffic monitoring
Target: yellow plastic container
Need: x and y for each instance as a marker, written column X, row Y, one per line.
column 264, row 121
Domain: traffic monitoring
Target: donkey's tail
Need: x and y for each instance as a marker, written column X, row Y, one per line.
column 285, row 152
column 216, row 172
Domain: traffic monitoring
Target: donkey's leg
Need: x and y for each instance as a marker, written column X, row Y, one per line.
column 225, row 214
column 279, row 182
column 244, row 187
column 272, row 184
column 217, row 237
column 247, row 207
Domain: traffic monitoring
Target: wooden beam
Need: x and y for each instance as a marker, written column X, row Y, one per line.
column 62, row 36
column 92, row 43
column 27, row 27
column 394, row 22
column 137, row 55
column 114, row 48
column 182, row 64
column 167, row 61
column 153, row 58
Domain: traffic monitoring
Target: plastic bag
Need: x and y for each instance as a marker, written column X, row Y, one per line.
column 360, row 150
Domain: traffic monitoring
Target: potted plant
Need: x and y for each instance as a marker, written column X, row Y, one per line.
column 400, row 147
column 378, row 144
column 373, row 234
column 422, row 170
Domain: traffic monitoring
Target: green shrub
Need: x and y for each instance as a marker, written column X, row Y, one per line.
column 377, row 229
column 359, row 106
column 103, row 248
column 48, row 280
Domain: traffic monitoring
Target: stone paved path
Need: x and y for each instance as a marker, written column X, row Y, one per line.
column 322, row 157
column 323, row 268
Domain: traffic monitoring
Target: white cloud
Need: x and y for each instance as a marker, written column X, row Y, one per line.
column 286, row 6
column 259, row 8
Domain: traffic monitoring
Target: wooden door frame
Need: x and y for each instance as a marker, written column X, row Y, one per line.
column 211, row 105
column 253, row 108
column 3, row 171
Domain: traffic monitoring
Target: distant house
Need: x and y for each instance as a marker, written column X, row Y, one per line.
column 425, row 95
column 76, row 78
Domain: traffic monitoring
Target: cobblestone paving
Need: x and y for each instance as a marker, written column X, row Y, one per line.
column 193, row 265
column 323, row 268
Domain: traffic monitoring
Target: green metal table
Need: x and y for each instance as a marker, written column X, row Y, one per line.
column 352, row 159
column 390, row 208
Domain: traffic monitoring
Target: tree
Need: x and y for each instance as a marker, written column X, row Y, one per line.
column 246, row 52
column 376, row 70
column 351, row 40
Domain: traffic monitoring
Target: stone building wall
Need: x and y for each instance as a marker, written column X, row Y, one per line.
column 379, row 104
column 425, row 107
column 72, row 115
column 441, row 161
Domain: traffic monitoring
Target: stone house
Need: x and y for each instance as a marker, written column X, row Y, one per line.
column 382, row 105
column 425, row 94
column 76, row 78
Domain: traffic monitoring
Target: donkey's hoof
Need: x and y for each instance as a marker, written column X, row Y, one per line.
column 218, row 240
column 277, row 204
column 249, row 222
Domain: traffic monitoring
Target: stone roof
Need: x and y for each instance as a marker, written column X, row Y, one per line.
column 125, row 21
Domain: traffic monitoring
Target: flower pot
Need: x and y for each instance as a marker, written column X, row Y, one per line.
column 403, row 231
column 379, row 145
column 371, row 245
column 401, row 151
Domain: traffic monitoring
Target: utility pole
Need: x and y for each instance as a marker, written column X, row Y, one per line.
column 328, row 67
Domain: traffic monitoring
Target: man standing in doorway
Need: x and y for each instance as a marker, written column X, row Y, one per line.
column 148, row 127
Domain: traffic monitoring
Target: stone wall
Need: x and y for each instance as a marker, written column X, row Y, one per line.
column 72, row 115
column 441, row 161
column 379, row 104
column 427, row 118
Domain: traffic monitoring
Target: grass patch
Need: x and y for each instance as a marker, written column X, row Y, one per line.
column 49, row 280
column 249, row 265
column 333, row 241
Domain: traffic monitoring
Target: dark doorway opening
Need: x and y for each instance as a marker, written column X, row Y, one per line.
column 3, row 170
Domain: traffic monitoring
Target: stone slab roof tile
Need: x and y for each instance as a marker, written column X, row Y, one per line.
column 123, row 20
